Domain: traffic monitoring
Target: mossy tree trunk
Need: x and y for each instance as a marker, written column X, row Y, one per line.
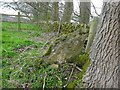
column 103, row 71
column 92, row 32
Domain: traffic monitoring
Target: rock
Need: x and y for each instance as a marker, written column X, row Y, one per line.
column 54, row 66
column 65, row 48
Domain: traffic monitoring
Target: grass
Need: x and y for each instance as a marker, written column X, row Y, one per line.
column 24, row 26
column 11, row 42
column 22, row 63
column 25, row 67
column 19, row 68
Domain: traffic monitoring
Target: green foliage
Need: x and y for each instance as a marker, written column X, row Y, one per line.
column 85, row 66
column 0, row 43
column 25, row 67
column 0, row 74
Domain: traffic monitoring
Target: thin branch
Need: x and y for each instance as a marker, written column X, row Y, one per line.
column 90, row 10
column 75, row 66
column 44, row 80
column 95, row 9
column 76, row 14
column 69, row 77
column 17, row 7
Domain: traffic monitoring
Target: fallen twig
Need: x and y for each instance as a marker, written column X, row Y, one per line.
column 44, row 80
column 75, row 66
column 69, row 77
column 58, row 77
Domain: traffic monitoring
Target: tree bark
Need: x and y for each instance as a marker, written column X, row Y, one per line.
column 85, row 9
column 40, row 11
column 55, row 11
column 103, row 71
column 68, row 9
column 92, row 32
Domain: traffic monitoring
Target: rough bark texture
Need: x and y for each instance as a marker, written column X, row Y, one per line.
column 103, row 71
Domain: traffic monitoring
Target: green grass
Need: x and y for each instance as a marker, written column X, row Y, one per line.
column 21, row 65
column 15, row 39
column 24, row 26
column 11, row 41
column 19, row 68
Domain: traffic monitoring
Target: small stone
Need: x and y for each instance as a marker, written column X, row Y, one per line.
column 55, row 66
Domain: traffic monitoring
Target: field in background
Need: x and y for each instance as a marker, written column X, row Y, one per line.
column 24, row 26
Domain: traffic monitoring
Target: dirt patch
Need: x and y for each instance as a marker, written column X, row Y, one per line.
column 24, row 48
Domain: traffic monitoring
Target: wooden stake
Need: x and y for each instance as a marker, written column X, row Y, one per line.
column 18, row 21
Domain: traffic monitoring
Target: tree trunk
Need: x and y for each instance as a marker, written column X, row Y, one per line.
column 46, row 15
column 92, row 32
column 55, row 11
column 103, row 71
column 68, row 9
column 40, row 11
column 85, row 9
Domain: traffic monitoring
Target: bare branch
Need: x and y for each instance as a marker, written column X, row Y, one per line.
column 44, row 80
column 95, row 9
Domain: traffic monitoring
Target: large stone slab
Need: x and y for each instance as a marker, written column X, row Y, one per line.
column 65, row 48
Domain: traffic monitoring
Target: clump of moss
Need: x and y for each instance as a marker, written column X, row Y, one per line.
column 48, row 51
column 80, row 76
column 82, row 60
column 65, row 27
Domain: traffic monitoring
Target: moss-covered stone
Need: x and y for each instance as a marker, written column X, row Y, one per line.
column 65, row 48
column 69, row 45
